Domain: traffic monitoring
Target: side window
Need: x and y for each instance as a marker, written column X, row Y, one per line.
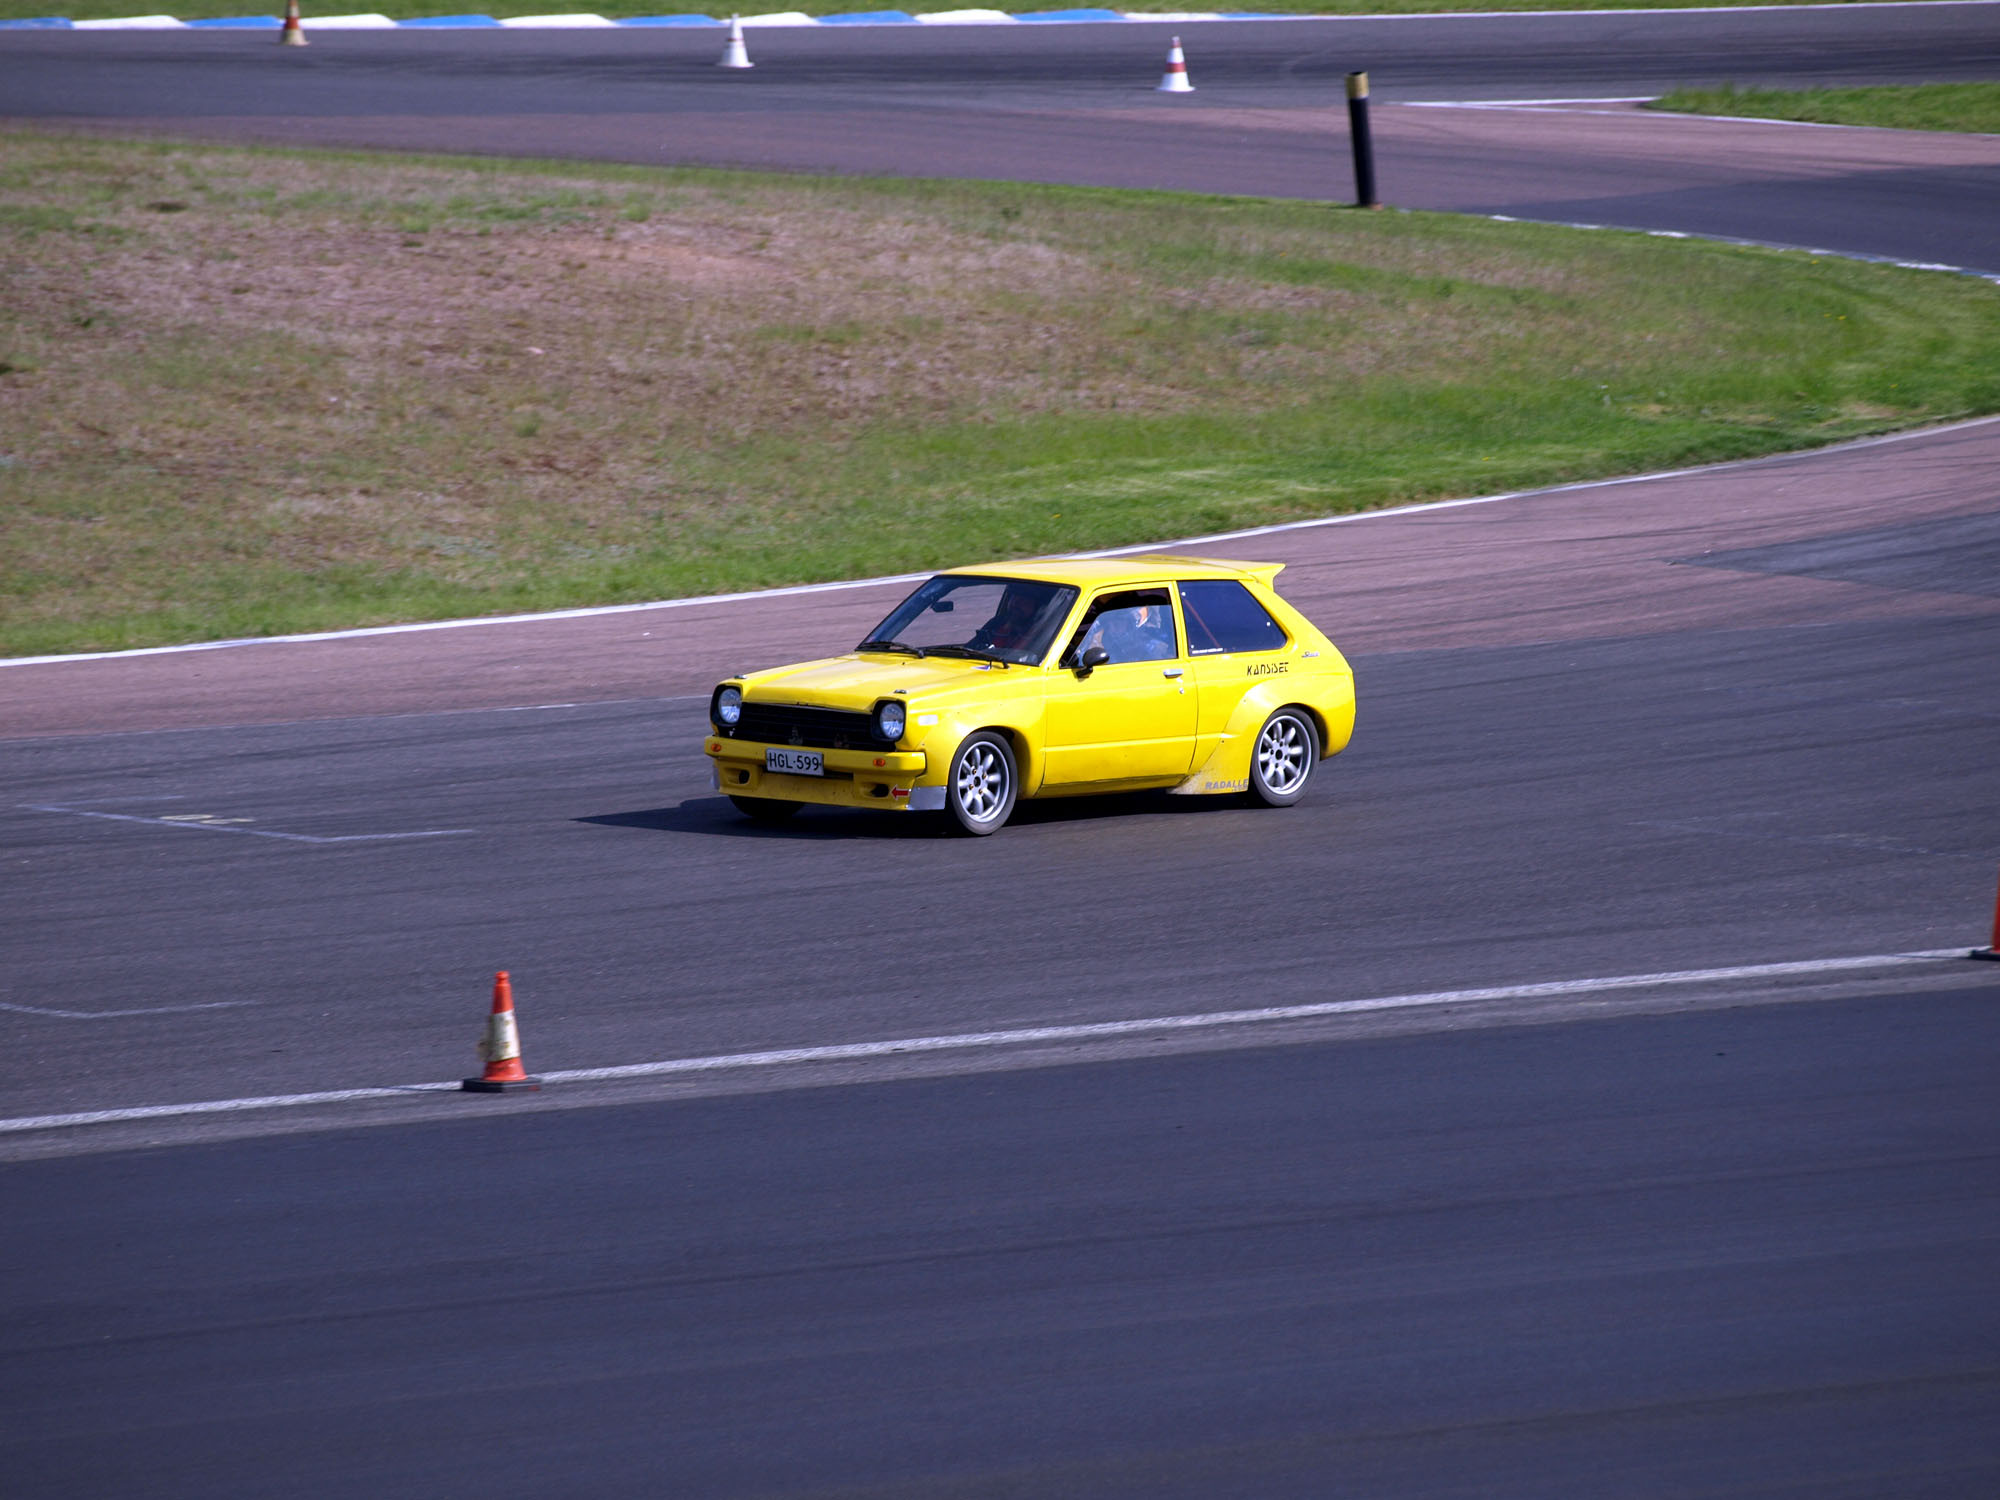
column 1222, row 616
column 1131, row 625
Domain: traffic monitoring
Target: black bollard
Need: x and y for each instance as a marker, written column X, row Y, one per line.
column 1364, row 148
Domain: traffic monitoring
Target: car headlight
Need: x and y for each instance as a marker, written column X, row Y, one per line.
column 890, row 717
column 727, row 707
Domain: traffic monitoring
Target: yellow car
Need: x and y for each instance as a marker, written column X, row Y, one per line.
column 1045, row 679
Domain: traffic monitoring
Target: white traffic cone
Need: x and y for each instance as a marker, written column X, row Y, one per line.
column 1176, row 79
column 292, row 35
column 735, row 55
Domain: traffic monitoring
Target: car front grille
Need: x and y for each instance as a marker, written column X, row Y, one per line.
column 819, row 728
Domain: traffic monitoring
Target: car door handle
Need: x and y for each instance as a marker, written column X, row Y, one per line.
column 1170, row 671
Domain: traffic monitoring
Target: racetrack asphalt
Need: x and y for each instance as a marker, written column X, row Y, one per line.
column 1733, row 1253
column 1722, row 1245
column 1075, row 104
column 1612, row 729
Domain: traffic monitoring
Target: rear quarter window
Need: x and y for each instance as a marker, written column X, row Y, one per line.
column 1223, row 616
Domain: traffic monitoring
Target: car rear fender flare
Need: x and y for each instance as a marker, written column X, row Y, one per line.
column 1331, row 711
column 1318, row 697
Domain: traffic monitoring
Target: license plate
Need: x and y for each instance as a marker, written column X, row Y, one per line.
column 795, row 762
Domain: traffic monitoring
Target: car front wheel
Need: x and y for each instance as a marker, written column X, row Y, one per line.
column 1282, row 764
column 979, row 794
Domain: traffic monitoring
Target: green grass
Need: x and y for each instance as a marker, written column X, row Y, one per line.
column 188, row 10
column 250, row 392
column 1971, row 107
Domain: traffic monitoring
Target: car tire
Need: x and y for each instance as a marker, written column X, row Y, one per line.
column 980, row 789
column 765, row 809
column 1282, row 760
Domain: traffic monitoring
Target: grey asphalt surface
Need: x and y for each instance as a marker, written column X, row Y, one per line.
column 1507, row 815
column 1486, row 1259
column 1727, row 1251
column 540, row 71
column 1075, row 104
column 1736, row 1253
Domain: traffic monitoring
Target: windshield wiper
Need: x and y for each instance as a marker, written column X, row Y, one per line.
column 972, row 653
column 879, row 644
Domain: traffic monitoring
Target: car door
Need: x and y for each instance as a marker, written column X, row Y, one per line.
column 1132, row 718
column 1233, row 644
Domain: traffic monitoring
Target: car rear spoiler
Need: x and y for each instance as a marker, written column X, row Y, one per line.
column 1267, row 571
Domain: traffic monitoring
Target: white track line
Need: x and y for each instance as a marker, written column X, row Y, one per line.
column 255, row 833
column 1027, row 1036
column 1523, row 103
column 794, row 590
column 796, row 18
column 116, row 1015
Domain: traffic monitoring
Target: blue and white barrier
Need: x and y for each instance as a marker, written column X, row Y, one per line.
column 372, row 22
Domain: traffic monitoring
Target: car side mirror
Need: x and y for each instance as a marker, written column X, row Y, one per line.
column 1093, row 657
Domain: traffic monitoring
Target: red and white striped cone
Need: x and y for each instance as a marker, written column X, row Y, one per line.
column 1176, row 79
column 735, row 54
column 293, row 35
column 1992, row 953
column 501, row 1047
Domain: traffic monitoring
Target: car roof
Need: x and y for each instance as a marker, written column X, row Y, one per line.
column 1095, row 572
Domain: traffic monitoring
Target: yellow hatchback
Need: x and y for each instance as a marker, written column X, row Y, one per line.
column 1045, row 679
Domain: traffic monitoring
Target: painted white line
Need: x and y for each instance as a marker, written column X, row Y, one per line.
column 258, row 724
column 1670, row 10
column 1867, row 843
column 1426, row 506
column 582, row 613
column 1817, row 251
column 1026, row 1036
column 798, row 18
column 214, row 1107
column 113, row 1015
column 1515, row 103
column 1977, row 135
column 1532, row 109
column 795, row 590
column 203, row 820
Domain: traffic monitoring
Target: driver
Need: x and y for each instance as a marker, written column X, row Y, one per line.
column 1142, row 632
column 1012, row 625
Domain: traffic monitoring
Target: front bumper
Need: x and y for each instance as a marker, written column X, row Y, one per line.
column 880, row 779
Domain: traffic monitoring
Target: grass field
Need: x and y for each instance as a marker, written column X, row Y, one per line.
column 1973, row 107
column 245, row 392
column 188, row 10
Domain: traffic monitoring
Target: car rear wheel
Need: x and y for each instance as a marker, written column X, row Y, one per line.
column 1282, row 764
column 765, row 809
column 979, row 793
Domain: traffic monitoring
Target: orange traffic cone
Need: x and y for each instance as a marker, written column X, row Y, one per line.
column 1994, row 951
column 734, row 53
column 293, row 35
column 1176, row 79
column 501, row 1047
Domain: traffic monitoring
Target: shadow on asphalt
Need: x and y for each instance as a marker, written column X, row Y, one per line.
column 714, row 817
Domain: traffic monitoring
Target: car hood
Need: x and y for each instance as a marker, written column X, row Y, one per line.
column 856, row 682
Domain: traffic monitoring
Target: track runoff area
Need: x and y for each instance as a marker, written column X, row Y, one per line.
column 765, row 1069
column 967, row 1052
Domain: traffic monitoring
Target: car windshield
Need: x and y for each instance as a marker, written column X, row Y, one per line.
column 994, row 619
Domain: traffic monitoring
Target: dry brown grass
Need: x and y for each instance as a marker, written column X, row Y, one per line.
column 334, row 389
